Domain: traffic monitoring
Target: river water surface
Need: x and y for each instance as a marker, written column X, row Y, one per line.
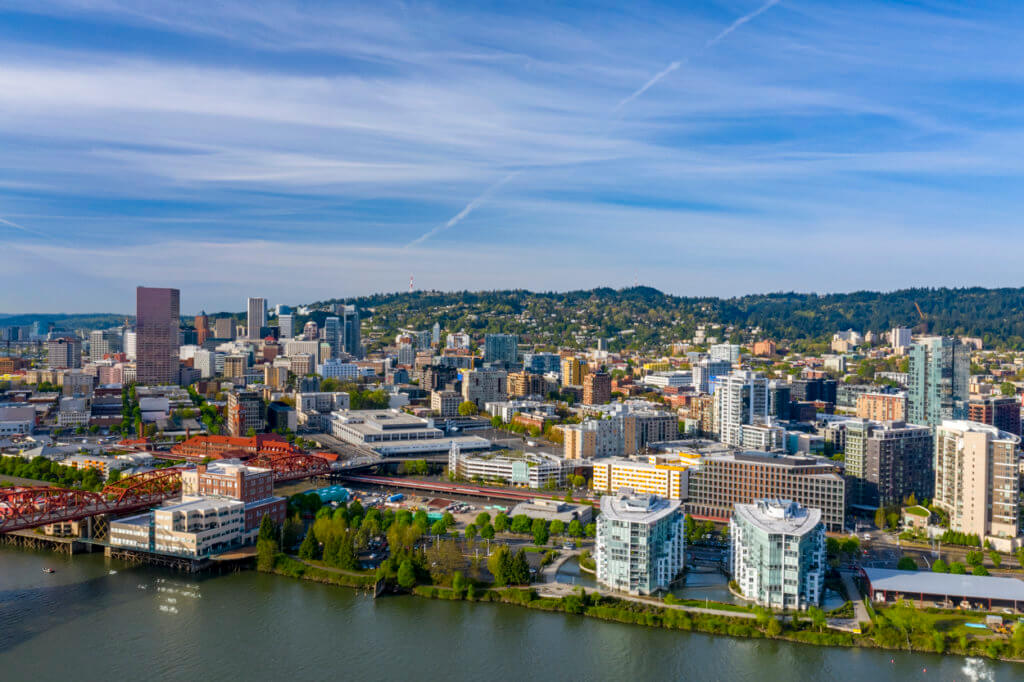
column 85, row 623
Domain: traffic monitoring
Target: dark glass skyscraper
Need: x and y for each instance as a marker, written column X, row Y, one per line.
column 157, row 313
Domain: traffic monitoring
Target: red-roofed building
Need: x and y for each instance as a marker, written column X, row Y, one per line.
column 219, row 447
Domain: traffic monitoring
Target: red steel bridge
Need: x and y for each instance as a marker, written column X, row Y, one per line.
column 24, row 507
column 291, row 467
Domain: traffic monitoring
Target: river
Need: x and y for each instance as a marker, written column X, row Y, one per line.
column 84, row 623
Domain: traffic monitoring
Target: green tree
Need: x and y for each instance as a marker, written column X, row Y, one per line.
column 957, row 568
column 310, row 548
column 818, row 618
column 438, row 528
column 1020, row 557
column 482, row 519
column 519, row 569
column 1008, row 389
column 471, row 532
column 575, row 528
column 880, row 518
column 501, row 525
column 521, row 524
column 774, row 628
column 906, row 563
column 406, row 575
column 499, row 564
column 995, row 558
column 979, row 570
column 557, row 527
column 487, row 532
column 266, row 554
column 940, row 566
column 540, row 532
column 467, row 408
column 590, row 530
column 975, row 558
column 114, row 476
column 267, row 529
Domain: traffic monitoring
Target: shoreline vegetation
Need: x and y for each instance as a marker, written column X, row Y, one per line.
column 900, row 627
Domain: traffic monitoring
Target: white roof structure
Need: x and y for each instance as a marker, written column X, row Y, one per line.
column 947, row 584
column 779, row 517
column 632, row 507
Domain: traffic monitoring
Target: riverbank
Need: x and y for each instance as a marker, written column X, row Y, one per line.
column 896, row 628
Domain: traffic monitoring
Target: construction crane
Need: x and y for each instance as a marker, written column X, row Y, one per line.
column 922, row 328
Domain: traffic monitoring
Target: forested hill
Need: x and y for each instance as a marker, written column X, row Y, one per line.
column 649, row 317
column 997, row 315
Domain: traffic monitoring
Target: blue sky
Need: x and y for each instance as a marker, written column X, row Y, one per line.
column 300, row 151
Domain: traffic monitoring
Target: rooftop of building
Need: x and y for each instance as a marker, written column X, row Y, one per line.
column 199, row 503
column 230, row 467
column 946, row 584
column 627, row 505
column 771, row 459
column 779, row 516
column 964, row 426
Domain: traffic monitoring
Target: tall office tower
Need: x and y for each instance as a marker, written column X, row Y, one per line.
column 501, row 348
column 938, row 376
column 203, row 331
column 726, row 352
column 257, row 317
column 353, row 339
column 333, row 336
column 705, row 371
column 597, row 388
column 310, row 331
column 435, row 334
column 157, row 316
column 64, row 353
column 887, row 461
column 741, row 398
column 103, row 342
column 976, row 480
column 224, row 328
column 285, row 323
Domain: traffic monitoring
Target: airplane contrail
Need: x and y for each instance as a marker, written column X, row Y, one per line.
column 21, row 227
column 709, row 44
column 461, row 215
column 647, row 86
column 673, row 66
column 739, row 22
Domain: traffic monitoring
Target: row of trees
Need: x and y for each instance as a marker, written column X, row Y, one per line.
column 42, row 469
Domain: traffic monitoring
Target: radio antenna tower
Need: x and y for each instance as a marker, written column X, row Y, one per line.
column 410, row 284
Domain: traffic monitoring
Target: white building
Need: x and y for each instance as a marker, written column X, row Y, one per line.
column 725, row 352
column 390, row 432
column 529, row 469
column 194, row 527
column 900, row 338
column 338, row 369
column 668, row 379
column 741, row 397
column 640, row 546
column 778, row 553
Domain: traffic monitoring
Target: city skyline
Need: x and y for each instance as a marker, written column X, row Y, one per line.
column 343, row 150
